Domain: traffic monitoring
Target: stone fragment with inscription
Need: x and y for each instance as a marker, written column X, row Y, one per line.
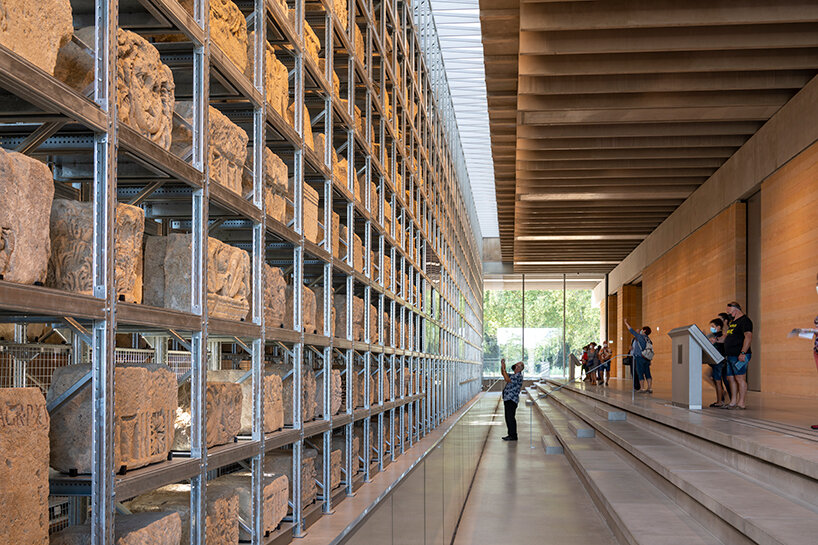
column 308, row 387
column 160, row 528
column 168, row 279
column 145, row 400
column 280, row 462
column 221, row 511
column 275, row 493
column 24, row 425
column 36, row 31
column 26, row 195
column 275, row 297
column 145, row 87
column 72, row 232
column 271, row 396
column 223, row 407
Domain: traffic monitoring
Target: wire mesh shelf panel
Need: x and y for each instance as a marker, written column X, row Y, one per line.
column 31, row 365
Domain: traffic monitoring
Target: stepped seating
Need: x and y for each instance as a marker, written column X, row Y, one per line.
column 694, row 475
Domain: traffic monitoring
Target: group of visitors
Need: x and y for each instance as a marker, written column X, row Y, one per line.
column 641, row 357
column 596, row 363
column 731, row 334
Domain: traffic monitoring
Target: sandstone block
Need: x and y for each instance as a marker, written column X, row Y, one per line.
column 145, row 87
column 312, row 44
column 336, row 458
column 275, row 183
column 339, row 443
column 307, row 309
column 312, row 232
column 271, row 395
column 339, row 302
column 386, row 273
column 26, row 195
column 221, row 511
column 168, row 280
column 280, row 462
column 228, row 29
column 275, row 293
column 336, row 82
column 336, row 235
column 223, row 406
column 374, row 201
column 319, row 311
column 36, row 31
column 374, row 332
column 340, row 8
column 308, row 138
column 275, row 491
column 145, row 401
column 160, row 528
column 308, row 387
column 72, row 231
column 341, row 171
column 360, row 46
column 24, row 424
column 335, row 389
column 359, row 395
column 358, row 253
column 276, row 78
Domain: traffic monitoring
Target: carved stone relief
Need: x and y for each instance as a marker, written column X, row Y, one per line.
column 275, row 493
column 161, row 528
column 223, row 401
column 271, row 397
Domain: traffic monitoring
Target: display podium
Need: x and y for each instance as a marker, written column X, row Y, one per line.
column 690, row 349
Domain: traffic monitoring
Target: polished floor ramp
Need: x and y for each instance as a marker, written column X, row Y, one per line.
column 665, row 475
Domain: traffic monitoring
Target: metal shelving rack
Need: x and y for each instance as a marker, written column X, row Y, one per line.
column 406, row 145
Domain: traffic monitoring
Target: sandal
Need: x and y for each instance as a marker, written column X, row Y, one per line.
column 728, row 407
column 737, row 408
column 717, row 405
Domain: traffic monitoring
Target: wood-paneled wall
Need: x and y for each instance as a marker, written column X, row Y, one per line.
column 628, row 306
column 789, row 263
column 694, row 281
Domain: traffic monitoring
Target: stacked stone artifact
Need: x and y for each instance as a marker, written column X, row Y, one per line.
column 228, row 30
column 223, row 407
column 275, row 293
column 275, row 493
column 22, row 30
column 308, row 389
column 159, row 528
column 275, row 186
column 146, row 405
column 307, row 309
column 280, row 462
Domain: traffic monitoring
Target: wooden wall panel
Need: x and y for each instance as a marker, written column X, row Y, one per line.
column 628, row 305
column 694, row 281
column 789, row 263
column 612, row 329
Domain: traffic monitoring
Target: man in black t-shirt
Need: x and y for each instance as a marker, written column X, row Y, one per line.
column 737, row 341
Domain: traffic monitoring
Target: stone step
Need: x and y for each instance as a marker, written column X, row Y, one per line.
column 637, row 511
column 551, row 445
column 609, row 414
column 742, row 504
column 580, row 428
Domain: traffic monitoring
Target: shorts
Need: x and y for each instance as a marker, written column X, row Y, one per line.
column 719, row 371
column 642, row 368
column 735, row 367
column 605, row 367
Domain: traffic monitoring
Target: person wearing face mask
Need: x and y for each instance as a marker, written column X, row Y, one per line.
column 810, row 333
column 605, row 368
column 642, row 352
column 716, row 337
column 737, row 341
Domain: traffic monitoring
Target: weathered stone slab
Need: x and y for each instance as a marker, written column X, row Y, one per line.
column 276, row 78
column 221, row 511
column 308, row 387
column 336, row 235
column 308, row 137
column 228, row 29
column 168, row 280
column 145, row 400
column 360, row 46
column 374, row 332
column 312, row 45
column 335, row 460
column 358, row 253
column 335, row 389
column 374, row 200
column 145, row 87
column 341, row 171
column 312, row 232
column 339, row 302
column 24, row 427
column 339, row 443
column 319, row 311
column 275, row 294
column 336, row 82
column 72, row 231
column 271, row 396
column 161, row 528
column 275, row 189
column 275, row 491
column 223, row 406
column 26, row 195
column 386, row 273
column 280, row 462
column 340, row 9
column 359, row 384
column 36, row 31
column 307, row 309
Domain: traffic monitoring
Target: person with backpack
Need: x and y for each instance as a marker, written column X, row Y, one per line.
column 642, row 352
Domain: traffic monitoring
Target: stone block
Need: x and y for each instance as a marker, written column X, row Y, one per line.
column 339, row 443
column 374, row 201
column 335, row 462
column 336, row 235
column 275, row 493
column 271, row 396
column 386, row 272
column 145, row 400
column 336, row 82
column 308, row 138
column 307, row 309
column 144, row 88
column 276, row 79
column 341, row 12
column 308, row 387
column 280, row 462
column 221, row 511
column 319, row 311
column 357, row 253
column 228, row 29
column 275, row 189
column 360, row 46
column 223, row 407
column 168, row 280
column 160, row 528
column 312, row 232
column 26, row 196
column 374, row 332
column 36, row 31
column 72, row 232
column 275, row 297
column 312, row 45
column 339, row 302
column 335, row 389
column 359, row 396
column 24, row 425
column 340, row 171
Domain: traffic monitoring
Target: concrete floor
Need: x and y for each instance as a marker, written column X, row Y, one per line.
column 521, row 496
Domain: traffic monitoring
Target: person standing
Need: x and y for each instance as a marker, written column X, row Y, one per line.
column 642, row 353
column 810, row 333
column 593, row 362
column 716, row 337
column 511, row 396
column 605, row 367
column 737, row 341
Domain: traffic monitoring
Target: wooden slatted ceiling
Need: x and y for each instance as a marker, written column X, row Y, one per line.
column 605, row 115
